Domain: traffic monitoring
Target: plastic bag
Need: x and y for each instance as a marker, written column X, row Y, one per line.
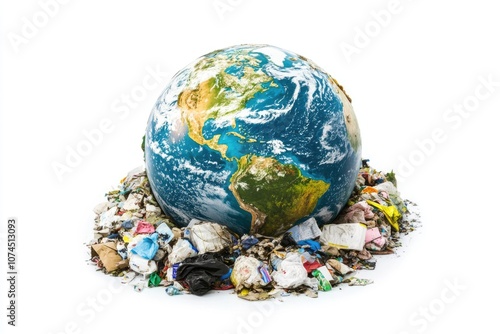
column 290, row 272
column 199, row 283
column 246, row 273
column 141, row 265
column 208, row 237
column 147, row 247
column 307, row 230
column 201, row 272
column 181, row 251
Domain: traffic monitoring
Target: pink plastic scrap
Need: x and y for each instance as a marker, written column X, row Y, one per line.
column 144, row 227
column 373, row 235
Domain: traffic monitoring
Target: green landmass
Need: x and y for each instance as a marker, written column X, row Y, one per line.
column 275, row 194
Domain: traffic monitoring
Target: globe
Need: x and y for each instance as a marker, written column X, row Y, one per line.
column 253, row 137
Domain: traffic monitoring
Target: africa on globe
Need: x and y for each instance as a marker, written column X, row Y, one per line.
column 253, row 137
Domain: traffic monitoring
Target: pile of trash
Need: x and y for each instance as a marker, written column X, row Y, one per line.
column 136, row 242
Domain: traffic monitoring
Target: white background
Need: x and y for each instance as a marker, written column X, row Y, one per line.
column 66, row 78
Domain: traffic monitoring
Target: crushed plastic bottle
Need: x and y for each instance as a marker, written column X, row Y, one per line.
column 323, row 282
column 172, row 291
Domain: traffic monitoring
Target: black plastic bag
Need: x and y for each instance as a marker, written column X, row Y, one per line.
column 201, row 272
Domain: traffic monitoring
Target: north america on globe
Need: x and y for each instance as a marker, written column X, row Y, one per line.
column 253, row 137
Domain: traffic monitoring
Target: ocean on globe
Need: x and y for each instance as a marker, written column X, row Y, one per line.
column 253, row 137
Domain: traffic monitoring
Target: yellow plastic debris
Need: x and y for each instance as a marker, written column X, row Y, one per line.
column 391, row 213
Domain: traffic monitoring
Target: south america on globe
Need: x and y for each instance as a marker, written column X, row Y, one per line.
column 255, row 138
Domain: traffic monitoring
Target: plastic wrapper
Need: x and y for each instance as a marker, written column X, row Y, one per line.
column 344, row 236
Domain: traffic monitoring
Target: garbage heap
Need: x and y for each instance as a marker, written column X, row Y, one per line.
column 135, row 241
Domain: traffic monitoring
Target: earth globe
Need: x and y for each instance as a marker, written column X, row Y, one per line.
column 255, row 138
